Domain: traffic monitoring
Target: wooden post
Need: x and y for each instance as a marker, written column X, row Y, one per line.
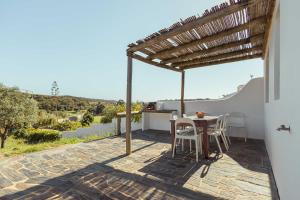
column 182, row 93
column 128, row 106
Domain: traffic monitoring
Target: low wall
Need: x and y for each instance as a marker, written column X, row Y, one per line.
column 249, row 100
column 101, row 129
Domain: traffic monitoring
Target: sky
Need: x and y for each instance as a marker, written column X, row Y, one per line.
column 82, row 45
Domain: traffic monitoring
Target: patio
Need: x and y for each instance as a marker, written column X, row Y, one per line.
column 101, row 170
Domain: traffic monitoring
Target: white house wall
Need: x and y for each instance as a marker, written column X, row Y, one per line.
column 284, row 147
column 250, row 101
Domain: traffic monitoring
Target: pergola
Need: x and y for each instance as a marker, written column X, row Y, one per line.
column 229, row 32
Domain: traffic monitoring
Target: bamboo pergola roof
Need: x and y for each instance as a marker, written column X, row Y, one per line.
column 233, row 31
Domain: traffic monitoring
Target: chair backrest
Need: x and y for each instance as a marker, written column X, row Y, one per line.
column 186, row 121
column 236, row 119
column 218, row 125
column 225, row 121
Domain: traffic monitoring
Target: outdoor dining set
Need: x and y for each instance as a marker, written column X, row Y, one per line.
column 200, row 130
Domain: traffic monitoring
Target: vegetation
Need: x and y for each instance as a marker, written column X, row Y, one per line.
column 17, row 110
column 41, row 135
column 16, row 146
column 35, row 122
column 67, row 126
column 110, row 111
column 97, row 119
column 68, row 103
column 87, row 119
column 45, row 120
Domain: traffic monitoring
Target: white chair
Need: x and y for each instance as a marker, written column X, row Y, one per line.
column 224, row 130
column 237, row 120
column 216, row 132
column 187, row 134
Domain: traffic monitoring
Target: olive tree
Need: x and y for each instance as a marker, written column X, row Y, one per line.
column 17, row 110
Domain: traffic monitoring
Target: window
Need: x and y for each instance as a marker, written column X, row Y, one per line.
column 277, row 58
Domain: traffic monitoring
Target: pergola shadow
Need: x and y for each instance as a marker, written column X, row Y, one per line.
column 100, row 181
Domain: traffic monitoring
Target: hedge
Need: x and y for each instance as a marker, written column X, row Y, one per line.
column 41, row 135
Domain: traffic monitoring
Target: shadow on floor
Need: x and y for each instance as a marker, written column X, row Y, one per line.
column 99, row 181
column 159, row 177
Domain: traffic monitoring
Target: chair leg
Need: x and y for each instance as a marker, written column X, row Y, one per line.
column 246, row 134
column 174, row 146
column 228, row 132
column 190, row 146
column 197, row 149
column 217, row 140
column 225, row 141
column 182, row 145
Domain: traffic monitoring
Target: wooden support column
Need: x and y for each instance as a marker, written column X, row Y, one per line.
column 128, row 106
column 182, row 111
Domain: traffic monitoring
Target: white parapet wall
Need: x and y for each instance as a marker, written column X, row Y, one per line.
column 249, row 100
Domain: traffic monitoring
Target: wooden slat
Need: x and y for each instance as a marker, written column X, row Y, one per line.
column 141, row 58
column 210, row 38
column 219, row 56
column 234, row 44
column 223, row 61
column 198, row 22
column 269, row 25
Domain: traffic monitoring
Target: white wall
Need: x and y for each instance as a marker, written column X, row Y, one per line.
column 283, row 147
column 156, row 121
column 250, row 101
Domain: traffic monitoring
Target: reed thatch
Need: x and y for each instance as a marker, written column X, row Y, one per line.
column 229, row 32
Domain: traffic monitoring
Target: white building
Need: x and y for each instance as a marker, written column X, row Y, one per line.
column 271, row 104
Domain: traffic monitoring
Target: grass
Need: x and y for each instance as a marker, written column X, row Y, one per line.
column 97, row 119
column 15, row 146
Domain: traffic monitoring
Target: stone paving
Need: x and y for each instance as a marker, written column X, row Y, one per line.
column 100, row 170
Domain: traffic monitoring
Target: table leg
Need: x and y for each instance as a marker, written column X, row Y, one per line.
column 205, row 142
column 172, row 134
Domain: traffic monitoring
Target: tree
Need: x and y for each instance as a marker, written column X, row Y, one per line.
column 99, row 108
column 17, row 110
column 54, row 89
column 120, row 102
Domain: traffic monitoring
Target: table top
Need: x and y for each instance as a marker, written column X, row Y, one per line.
column 205, row 118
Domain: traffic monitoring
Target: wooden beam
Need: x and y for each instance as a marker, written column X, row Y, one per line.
column 196, row 23
column 211, row 38
column 141, row 58
column 220, row 56
column 222, row 47
column 269, row 26
column 248, row 57
column 128, row 106
column 182, row 109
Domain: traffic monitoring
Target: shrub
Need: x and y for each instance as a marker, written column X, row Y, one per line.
column 20, row 133
column 45, row 120
column 41, row 135
column 110, row 111
column 87, row 119
column 105, row 120
column 67, row 126
column 60, row 114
